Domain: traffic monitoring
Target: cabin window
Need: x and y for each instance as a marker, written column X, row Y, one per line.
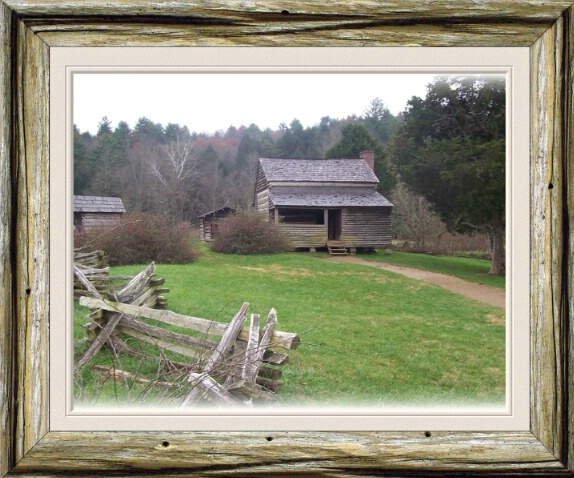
column 302, row 216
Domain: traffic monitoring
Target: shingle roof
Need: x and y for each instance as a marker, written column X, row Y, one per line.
column 327, row 197
column 224, row 209
column 318, row 170
column 98, row 204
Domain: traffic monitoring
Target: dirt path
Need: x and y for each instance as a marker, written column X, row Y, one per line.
column 483, row 293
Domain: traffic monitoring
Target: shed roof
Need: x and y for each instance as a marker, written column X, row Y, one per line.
column 318, row 170
column 328, row 197
column 98, row 204
column 225, row 209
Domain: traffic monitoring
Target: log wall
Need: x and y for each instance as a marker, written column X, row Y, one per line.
column 305, row 235
column 362, row 227
column 367, row 227
column 99, row 221
column 206, row 226
column 262, row 202
column 261, row 184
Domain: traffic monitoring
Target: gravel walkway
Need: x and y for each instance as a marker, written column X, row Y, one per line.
column 483, row 293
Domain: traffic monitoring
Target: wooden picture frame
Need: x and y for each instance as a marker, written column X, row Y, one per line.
column 29, row 28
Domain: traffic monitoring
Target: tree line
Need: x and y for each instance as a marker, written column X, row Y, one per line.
column 447, row 148
column 168, row 169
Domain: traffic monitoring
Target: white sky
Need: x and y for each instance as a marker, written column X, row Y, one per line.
column 209, row 102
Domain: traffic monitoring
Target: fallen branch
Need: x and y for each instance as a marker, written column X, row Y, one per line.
column 118, row 374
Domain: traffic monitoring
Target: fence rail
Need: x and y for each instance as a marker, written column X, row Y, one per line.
column 230, row 364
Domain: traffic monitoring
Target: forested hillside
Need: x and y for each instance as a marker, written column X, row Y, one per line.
column 168, row 169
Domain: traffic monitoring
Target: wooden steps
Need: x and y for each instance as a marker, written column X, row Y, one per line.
column 337, row 248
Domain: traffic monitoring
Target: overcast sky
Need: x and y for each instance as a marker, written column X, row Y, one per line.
column 210, row 102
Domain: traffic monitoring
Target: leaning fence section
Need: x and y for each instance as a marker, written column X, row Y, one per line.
column 224, row 364
column 93, row 259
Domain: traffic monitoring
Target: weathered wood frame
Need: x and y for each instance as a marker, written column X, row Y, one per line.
column 29, row 28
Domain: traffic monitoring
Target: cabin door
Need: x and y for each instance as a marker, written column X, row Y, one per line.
column 335, row 224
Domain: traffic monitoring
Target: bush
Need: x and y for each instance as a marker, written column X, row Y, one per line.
column 143, row 238
column 250, row 233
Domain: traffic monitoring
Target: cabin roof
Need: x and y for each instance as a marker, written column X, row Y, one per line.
column 98, row 204
column 318, row 170
column 328, row 197
column 225, row 209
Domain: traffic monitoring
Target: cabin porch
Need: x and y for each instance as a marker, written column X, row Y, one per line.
column 350, row 227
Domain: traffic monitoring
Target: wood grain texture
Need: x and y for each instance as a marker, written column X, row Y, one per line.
column 545, row 452
column 7, row 396
column 294, row 34
column 568, row 130
column 290, row 23
column 366, row 227
column 291, row 453
column 31, row 261
column 549, row 284
column 505, row 9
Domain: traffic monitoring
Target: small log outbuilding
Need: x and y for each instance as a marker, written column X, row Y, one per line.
column 210, row 221
column 97, row 214
column 319, row 202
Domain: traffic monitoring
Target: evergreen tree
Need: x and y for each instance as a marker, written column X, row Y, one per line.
column 380, row 121
column 451, row 150
column 174, row 132
column 298, row 142
column 253, row 145
column 83, row 168
column 104, row 126
column 356, row 138
column 121, row 143
column 104, row 161
column 148, row 132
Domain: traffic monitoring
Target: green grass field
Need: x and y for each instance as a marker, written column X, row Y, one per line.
column 368, row 336
column 470, row 269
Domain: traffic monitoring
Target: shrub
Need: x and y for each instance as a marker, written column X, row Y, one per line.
column 250, row 233
column 142, row 238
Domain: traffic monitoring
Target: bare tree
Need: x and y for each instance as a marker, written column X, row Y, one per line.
column 416, row 220
column 242, row 190
column 177, row 169
column 212, row 190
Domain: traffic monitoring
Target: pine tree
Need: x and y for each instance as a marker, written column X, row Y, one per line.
column 451, row 150
column 356, row 138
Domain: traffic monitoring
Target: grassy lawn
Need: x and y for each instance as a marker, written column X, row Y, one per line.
column 470, row 269
column 368, row 336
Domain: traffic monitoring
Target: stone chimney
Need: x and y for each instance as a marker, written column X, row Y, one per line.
column 369, row 157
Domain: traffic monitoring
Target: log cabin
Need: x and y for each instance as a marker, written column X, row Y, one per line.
column 321, row 203
column 96, row 213
column 210, row 221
